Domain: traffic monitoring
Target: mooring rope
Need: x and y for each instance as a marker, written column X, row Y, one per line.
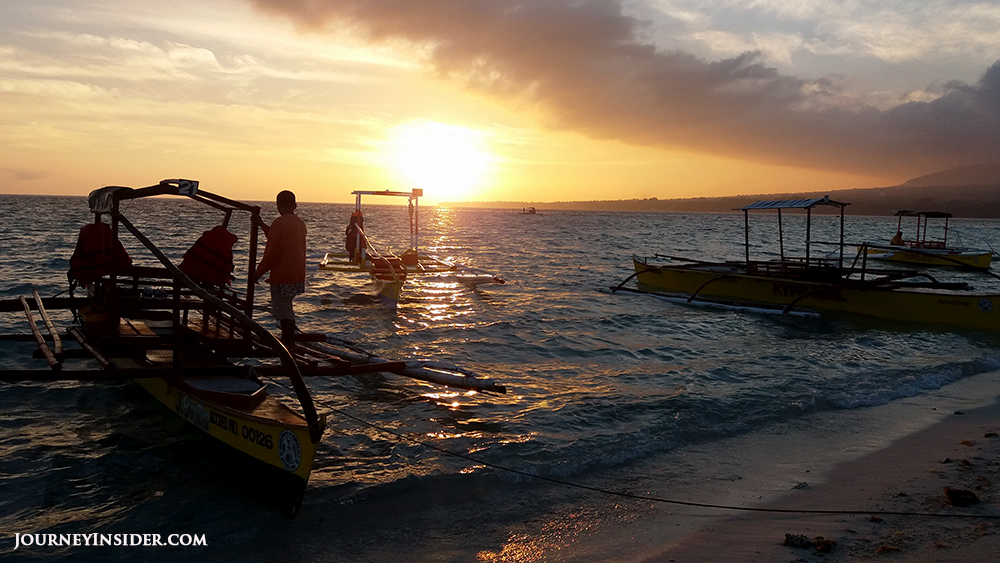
column 623, row 494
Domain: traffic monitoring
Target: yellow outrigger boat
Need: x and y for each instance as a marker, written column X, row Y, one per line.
column 925, row 251
column 813, row 284
column 189, row 338
column 387, row 270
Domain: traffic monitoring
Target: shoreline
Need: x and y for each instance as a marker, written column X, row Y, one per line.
column 907, row 474
column 885, row 458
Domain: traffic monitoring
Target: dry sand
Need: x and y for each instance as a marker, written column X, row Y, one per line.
column 944, row 439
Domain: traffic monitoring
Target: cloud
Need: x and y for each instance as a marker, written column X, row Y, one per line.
column 585, row 66
column 21, row 174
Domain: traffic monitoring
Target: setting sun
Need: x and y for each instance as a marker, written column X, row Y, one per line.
column 449, row 162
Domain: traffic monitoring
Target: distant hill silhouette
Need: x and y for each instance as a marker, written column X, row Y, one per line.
column 967, row 191
column 975, row 175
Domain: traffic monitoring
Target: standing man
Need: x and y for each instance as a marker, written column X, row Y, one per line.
column 285, row 258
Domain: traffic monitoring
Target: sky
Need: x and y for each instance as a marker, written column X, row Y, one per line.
column 495, row 100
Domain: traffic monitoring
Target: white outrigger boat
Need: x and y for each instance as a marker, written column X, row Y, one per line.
column 389, row 271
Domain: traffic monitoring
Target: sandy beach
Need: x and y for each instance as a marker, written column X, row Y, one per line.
column 895, row 460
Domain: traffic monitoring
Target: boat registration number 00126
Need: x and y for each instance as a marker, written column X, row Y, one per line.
column 289, row 449
column 196, row 413
column 248, row 433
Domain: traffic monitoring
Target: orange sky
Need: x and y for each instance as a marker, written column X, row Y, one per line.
column 541, row 100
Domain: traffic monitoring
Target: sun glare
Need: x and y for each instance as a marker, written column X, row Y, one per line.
column 449, row 163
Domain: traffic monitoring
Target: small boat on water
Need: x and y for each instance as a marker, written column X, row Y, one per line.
column 928, row 251
column 389, row 271
column 187, row 336
column 814, row 283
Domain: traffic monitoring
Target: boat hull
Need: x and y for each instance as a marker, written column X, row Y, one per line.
column 980, row 259
column 341, row 262
column 731, row 285
column 268, row 432
column 388, row 291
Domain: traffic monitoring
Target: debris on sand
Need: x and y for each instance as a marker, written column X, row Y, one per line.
column 960, row 497
column 819, row 543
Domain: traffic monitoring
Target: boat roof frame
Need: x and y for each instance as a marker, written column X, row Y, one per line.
column 412, row 194
column 106, row 201
column 931, row 214
column 808, row 205
column 924, row 216
column 414, row 207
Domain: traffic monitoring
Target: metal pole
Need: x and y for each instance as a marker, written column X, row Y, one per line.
column 781, row 237
column 746, row 234
column 358, row 254
column 808, row 231
column 254, row 226
column 841, row 264
column 416, row 224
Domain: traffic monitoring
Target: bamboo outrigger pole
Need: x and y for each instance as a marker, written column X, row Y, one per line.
column 57, row 345
column 55, row 364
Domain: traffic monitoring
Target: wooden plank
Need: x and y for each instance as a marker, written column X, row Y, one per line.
column 127, row 373
column 82, row 340
column 17, row 338
column 13, row 305
column 134, row 327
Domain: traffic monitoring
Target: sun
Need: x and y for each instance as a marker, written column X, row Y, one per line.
column 448, row 162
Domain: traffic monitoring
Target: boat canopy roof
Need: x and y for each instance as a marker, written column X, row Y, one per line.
column 794, row 204
column 931, row 214
column 106, row 199
column 413, row 196
column 417, row 192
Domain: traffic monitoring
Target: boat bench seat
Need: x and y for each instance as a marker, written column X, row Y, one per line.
column 213, row 326
column 791, row 266
column 134, row 327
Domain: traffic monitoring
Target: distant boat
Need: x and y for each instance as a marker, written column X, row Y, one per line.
column 388, row 271
column 529, row 211
column 927, row 251
column 807, row 285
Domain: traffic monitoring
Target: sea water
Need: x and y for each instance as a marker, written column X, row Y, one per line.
column 603, row 388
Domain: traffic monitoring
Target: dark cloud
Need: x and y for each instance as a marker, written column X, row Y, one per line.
column 585, row 65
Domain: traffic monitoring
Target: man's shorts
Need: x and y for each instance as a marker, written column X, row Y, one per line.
column 282, row 295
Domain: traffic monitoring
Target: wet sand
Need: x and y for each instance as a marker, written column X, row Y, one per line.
column 900, row 458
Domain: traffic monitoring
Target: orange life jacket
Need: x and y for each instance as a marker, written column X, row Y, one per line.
column 96, row 252
column 410, row 257
column 210, row 260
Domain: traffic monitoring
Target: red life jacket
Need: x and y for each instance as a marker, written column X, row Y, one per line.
column 97, row 250
column 210, row 260
column 356, row 226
